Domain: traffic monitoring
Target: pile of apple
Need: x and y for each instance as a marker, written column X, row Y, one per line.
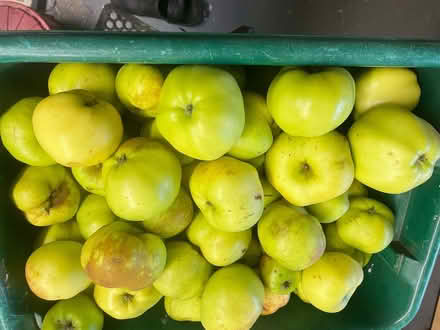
column 190, row 183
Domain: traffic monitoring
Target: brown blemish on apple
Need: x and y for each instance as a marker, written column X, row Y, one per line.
column 258, row 197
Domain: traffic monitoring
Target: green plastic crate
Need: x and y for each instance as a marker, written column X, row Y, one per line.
column 395, row 279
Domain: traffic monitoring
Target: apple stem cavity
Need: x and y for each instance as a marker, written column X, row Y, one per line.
column 286, row 284
column 65, row 325
column 371, row 210
column 189, row 109
column 121, row 159
column 127, row 297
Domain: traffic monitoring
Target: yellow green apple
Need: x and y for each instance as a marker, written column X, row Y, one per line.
column 273, row 301
column 18, row 136
column 311, row 103
column 46, row 195
column 120, row 255
column 99, row 79
column 376, row 86
column 185, row 273
column 357, row 189
column 149, row 130
column 233, row 299
column 183, row 309
column 142, row 179
column 289, row 235
column 93, row 214
column 138, row 87
column 277, row 278
column 76, row 128
column 65, row 231
column 270, row 193
column 310, row 170
column 77, row 313
column 175, row 219
column 257, row 137
column 220, row 248
column 123, row 304
column 367, row 225
column 201, row 111
column 253, row 253
column 393, row 150
column 54, row 271
column 331, row 210
column 228, row 192
column 90, row 178
column 331, row 281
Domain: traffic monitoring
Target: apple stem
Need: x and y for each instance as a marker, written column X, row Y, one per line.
column 189, row 109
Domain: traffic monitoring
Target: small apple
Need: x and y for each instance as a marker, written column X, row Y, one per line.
column 310, row 170
column 93, row 214
column 90, row 178
column 138, row 87
column 311, row 103
column 120, row 255
column 253, row 253
column 54, row 272
column 77, row 313
column 220, row 248
column 46, row 195
column 18, row 135
column 201, row 111
column 277, row 278
column 257, row 137
column 76, row 128
column 289, row 235
column 66, row 231
column 185, row 273
column 357, row 189
column 367, row 225
column 331, row 210
column 376, row 86
column 183, row 309
column 233, row 299
column 142, row 179
column 99, row 79
column 394, row 150
column 123, row 304
column 270, row 193
column 175, row 219
column 228, row 192
column 273, row 301
column 331, row 281
column 150, row 130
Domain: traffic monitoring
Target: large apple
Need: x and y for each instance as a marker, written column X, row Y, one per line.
column 220, row 248
column 46, row 195
column 98, row 79
column 125, row 304
column 329, row 283
column 18, row 135
column 185, row 273
column 77, row 313
column 311, row 103
column 54, row 272
column 93, row 214
column 90, row 178
column 233, row 299
column 138, row 87
column 228, row 192
column 65, row 231
column 289, row 235
column 121, row 255
column 201, row 111
column 142, row 179
column 76, row 128
column 393, row 150
column 367, row 225
column 310, row 170
column 175, row 219
column 257, row 137
column 376, row 86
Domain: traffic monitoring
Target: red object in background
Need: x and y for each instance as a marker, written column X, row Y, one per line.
column 15, row 16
